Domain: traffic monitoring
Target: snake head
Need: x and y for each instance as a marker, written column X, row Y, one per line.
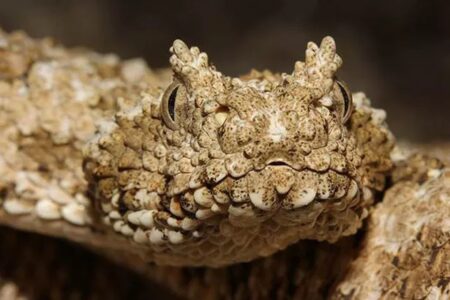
column 222, row 170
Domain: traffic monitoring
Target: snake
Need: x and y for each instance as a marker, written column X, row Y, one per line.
column 185, row 167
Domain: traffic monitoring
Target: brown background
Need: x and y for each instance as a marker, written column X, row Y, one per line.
column 398, row 52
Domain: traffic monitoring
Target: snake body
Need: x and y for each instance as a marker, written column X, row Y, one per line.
column 187, row 166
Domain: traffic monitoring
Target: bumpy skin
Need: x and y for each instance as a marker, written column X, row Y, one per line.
column 244, row 167
column 247, row 167
column 406, row 251
column 52, row 99
column 388, row 261
column 402, row 254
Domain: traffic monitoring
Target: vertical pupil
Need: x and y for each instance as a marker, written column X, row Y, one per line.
column 346, row 98
column 171, row 103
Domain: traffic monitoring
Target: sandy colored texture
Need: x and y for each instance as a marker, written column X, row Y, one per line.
column 219, row 170
column 383, row 261
column 51, row 100
column 206, row 171
column 406, row 250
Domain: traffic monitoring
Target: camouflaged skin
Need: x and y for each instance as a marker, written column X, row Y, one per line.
column 355, row 267
column 51, row 99
column 306, row 270
column 406, row 251
column 244, row 166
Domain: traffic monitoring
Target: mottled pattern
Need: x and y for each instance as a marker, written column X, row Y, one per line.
column 209, row 170
column 51, row 100
column 406, row 251
column 401, row 268
column 383, row 261
column 219, row 170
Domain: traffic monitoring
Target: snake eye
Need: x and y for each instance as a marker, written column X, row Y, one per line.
column 221, row 115
column 171, row 104
column 348, row 100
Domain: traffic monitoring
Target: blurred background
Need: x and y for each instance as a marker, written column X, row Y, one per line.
column 397, row 51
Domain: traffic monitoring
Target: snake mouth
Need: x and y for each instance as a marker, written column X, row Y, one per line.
column 281, row 162
column 277, row 163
